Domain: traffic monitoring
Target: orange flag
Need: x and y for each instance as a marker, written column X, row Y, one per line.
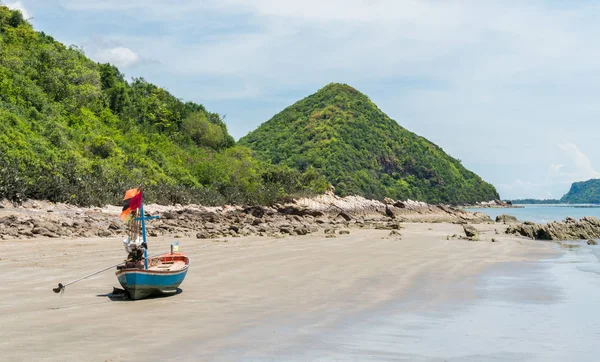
column 131, row 201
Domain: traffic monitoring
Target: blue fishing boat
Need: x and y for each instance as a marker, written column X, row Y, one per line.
column 143, row 276
column 162, row 277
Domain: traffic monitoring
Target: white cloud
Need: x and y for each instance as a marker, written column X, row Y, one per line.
column 119, row 56
column 580, row 167
column 17, row 5
column 575, row 166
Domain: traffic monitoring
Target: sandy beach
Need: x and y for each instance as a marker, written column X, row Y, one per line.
column 237, row 289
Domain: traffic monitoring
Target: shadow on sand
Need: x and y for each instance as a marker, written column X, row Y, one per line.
column 121, row 295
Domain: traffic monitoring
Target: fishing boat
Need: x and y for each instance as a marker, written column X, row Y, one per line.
column 162, row 277
column 143, row 276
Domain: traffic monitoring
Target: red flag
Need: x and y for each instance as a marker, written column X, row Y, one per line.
column 136, row 201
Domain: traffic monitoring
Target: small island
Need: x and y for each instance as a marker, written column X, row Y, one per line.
column 584, row 192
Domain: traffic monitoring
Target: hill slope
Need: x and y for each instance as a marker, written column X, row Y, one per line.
column 73, row 130
column 585, row 192
column 343, row 135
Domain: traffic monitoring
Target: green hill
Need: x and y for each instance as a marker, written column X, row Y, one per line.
column 340, row 133
column 585, row 192
column 76, row 131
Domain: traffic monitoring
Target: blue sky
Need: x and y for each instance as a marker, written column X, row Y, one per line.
column 508, row 87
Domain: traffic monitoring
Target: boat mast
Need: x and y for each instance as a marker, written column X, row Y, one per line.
column 143, row 217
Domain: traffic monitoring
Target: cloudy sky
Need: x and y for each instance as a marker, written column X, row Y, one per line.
column 509, row 87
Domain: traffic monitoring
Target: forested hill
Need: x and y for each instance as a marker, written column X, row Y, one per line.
column 74, row 130
column 585, row 192
column 343, row 135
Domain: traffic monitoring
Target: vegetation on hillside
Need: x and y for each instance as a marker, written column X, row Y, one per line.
column 340, row 133
column 585, row 192
column 535, row 201
column 73, row 130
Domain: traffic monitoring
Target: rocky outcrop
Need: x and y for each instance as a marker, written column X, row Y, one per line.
column 404, row 211
column 471, row 232
column 570, row 229
column 300, row 217
column 507, row 219
column 494, row 204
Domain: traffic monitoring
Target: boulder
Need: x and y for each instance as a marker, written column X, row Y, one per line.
column 256, row 211
column 470, row 231
column 344, row 232
column 586, row 228
column 301, row 231
column 507, row 219
column 345, row 215
column 592, row 242
column 104, row 233
column 299, row 211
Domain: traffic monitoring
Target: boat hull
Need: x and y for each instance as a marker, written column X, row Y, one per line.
column 143, row 283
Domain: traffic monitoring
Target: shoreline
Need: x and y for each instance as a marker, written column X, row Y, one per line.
column 234, row 286
column 35, row 219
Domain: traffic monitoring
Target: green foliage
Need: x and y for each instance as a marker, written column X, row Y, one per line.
column 535, row 201
column 339, row 133
column 76, row 131
column 585, row 192
column 202, row 131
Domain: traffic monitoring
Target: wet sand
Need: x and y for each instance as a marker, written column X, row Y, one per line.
column 244, row 298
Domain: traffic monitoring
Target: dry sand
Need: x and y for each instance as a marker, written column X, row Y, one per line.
column 234, row 292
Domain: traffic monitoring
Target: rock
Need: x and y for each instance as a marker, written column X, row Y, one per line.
column 104, row 233
column 592, row 242
column 114, row 226
column 344, row 232
column 234, row 228
column 506, row 219
column 329, row 231
column 299, row 211
column 167, row 215
column 9, row 220
column 394, row 233
column 40, row 231
column 5, row 204
column 400, row 205
column 285, row 230
column 330, row 236
column 388, row 201
column 494, row 240
column 389, row 212
column 301, row 231
column 256, row 211
column 470, row 231
column 586, row 228
column 345, row 215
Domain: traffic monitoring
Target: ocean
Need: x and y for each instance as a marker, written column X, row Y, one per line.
column 544, row 213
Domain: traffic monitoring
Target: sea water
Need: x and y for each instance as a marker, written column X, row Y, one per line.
column 544, row 213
